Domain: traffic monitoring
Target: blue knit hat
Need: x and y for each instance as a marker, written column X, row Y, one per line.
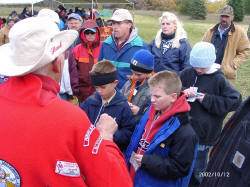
column 142, row 61
column 202, row 55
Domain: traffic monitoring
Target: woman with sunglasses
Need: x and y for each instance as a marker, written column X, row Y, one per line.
column 83, row 58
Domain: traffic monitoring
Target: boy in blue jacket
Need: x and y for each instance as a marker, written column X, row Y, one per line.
column 211, row 97
column 108, row 100
column 162, row 149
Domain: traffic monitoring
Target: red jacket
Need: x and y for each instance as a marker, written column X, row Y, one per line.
column 49, row 142
column 86, row 54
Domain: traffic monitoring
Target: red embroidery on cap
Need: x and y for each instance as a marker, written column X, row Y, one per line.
column 55, row 48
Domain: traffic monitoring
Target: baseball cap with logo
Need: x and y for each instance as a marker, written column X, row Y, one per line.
column 226, row 11
column 121, row 15
column 34, row 43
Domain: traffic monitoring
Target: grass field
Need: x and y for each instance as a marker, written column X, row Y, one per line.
column 147, row 24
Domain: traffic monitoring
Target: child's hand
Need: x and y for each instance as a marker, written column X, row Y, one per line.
column 201, row 97
column 135, row 109
column 138, row 159
column 189, row 92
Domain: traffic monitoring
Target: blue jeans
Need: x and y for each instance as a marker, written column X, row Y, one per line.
column 200, row 165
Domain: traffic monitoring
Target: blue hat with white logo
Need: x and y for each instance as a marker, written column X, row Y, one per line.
column 142, row 61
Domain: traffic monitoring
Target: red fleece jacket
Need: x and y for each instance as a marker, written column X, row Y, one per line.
column 49, row 142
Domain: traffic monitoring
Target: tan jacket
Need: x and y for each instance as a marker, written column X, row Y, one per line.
column 237, row 50
column 4, row 35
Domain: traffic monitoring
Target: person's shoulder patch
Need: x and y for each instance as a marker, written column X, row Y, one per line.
column 9, row 175
column 70, row 169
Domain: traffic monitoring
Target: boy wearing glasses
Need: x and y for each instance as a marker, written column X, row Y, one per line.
column 162, row 149
column 83, row 58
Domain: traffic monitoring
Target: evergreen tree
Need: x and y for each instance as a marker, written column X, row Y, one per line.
column 197, row 9
column 247, row 6
column 238, row 6
column 183, row 7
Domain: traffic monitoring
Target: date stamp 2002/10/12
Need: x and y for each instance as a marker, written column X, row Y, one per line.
column 214, row 174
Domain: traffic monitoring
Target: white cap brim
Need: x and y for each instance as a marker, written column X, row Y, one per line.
column 9, row 67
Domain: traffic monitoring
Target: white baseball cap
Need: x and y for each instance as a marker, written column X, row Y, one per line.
column 34, row 43
column 121, row 15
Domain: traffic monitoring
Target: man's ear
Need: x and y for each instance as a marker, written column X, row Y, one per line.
column 56, row 64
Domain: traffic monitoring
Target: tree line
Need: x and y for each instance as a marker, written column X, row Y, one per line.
column 197, row 9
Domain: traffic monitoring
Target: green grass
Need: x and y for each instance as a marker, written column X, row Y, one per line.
column 243, row 79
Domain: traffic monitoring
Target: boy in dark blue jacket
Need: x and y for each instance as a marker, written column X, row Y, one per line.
column 108, row 100
column 211, row 97
column 162, row 149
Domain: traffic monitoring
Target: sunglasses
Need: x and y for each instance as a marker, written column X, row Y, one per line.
column 89, row 32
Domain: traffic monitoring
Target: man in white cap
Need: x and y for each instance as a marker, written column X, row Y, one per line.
column 120, row 47
column 230, row 42
column 50, row 142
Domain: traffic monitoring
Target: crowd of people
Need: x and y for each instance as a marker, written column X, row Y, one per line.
column 81, row 109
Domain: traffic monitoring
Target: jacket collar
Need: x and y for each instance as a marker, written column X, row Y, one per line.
column 30, row 88
column 97, row 100
column 215, row 28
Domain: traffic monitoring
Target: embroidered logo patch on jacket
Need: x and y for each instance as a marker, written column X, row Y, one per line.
column 238, row 159
column 8, row 175
column 70, row 169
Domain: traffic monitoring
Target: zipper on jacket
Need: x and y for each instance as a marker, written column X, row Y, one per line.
column 98, row 115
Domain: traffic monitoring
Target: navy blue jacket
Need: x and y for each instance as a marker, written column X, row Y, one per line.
column 119, row 109
column 174, row 59
column 121, row 59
